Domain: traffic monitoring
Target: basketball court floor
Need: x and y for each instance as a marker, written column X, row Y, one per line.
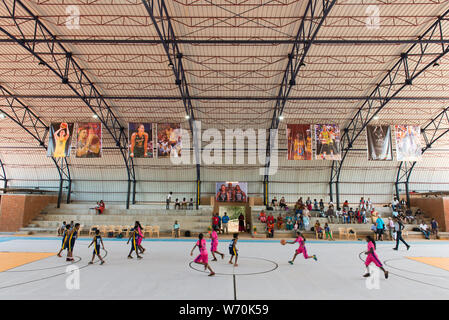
column 30, row 270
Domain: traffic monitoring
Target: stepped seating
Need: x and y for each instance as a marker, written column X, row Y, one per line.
column 361, row 230
column 51, row 218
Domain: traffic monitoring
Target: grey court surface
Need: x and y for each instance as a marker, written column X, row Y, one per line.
column 166, row 272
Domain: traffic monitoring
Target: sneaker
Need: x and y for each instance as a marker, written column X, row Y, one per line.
column 215, row 259
column 291, row 262
column 211, row 274
column 366, row 275
column 314, row 258
column 386, row 274
column 408, row 248
column 90, row 262
column 139, row 257
column 102, row 262
column 129, row 257
column 395, row 249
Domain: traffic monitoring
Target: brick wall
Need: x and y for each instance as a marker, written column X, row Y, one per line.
column 19, row 210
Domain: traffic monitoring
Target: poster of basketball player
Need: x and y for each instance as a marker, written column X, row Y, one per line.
column 408, row 143
column 169, row 142
column 299, row 137
column 60, row 140
column 140, row 137
column 231, row 191
column 327, row 138
column 88, row 140
column 379, row 143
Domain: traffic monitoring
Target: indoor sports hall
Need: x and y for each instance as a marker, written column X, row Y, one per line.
column 256, row 150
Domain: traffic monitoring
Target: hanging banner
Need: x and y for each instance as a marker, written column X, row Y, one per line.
column 140, row 137
column 231, row 191
column 299, row 137
column 408, row 143
column 169, row 142
column 88, row 140
column 327, row 137
column 379, row 143
column 60, row 140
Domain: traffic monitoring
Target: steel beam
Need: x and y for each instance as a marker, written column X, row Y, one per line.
column 3, row 174
column 21, row 114
column 162, row 23
column 401, row 75
column 314, row 16
column 205, row 42
column 232, row 98
column 431, row 132
column 48, row 54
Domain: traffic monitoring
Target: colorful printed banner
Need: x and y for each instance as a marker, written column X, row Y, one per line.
column 327, row 138
column 140, row 137
column 88, row 140
column 299, row 137
column 231, row 191
column 60, row 140
column 169, row 142
column 408, row 143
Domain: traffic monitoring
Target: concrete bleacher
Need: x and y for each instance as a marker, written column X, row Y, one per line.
column 152, row 215
column 360, row 229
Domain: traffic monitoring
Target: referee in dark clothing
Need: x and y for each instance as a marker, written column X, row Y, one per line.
column 398, row 227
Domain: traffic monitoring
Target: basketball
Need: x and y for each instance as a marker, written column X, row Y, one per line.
column 283, row 242
column 64, row 125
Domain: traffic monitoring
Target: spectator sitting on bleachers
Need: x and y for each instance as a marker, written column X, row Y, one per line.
column 262, row 217
column 270, row 219
column 330, row 214
column 280, row 222
column 191, row 204
column 346, row 205
column 100, row 207
column 177, row 204
column 350, row 216
column 184, row 204
column 418, row 213
column 282, row 204
column 309, row 204
column 315, row 205
column 321, row 207
column 423, row 227
column 289, row 223
column 409, row 218
column 274, row 203
column 296, row 226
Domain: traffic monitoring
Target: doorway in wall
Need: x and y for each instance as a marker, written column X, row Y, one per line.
column 233, row 212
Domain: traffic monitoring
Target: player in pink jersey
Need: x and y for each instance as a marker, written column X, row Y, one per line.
column 214, row 245
column 302, row 248
column 372, row 257
column 203, row 256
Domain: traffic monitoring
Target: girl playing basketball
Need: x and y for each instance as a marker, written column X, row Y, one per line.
column 302, row 248
column 372, row 257
column 202, row 258
column 214, row 245
column 134, row 245
column 96, row 241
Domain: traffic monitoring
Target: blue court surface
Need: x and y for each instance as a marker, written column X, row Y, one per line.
column 167, row 271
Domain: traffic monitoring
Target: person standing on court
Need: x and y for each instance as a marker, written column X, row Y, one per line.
column 225, row 221
column 398, row 227
column 168, row 200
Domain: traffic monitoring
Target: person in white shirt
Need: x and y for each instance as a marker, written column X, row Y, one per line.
column 168, row 200
column 423, row 227
column 339, row 215
column 395, row 204
column 369, row 204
